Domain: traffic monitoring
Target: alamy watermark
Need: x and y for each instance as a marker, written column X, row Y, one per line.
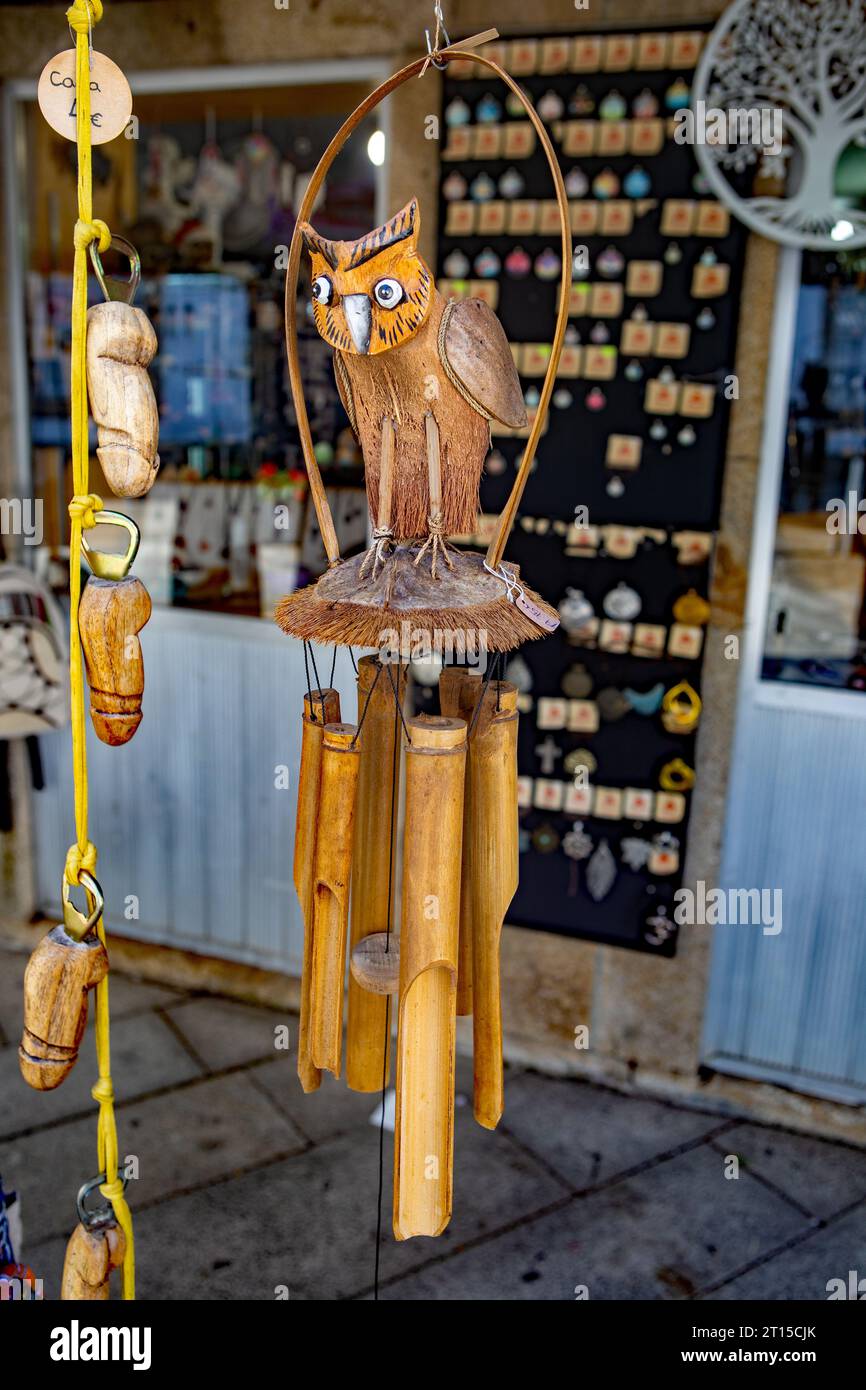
column 17, row 1289
column 729, row 907
column 466, row 646
column 846, row 516
column 851, row 1288
column 761, row 126
column 22, row 517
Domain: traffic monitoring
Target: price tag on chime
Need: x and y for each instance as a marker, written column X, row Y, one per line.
column 110, row 97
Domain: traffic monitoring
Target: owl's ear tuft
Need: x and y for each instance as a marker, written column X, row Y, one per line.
column 408, row 220
column 319, row 245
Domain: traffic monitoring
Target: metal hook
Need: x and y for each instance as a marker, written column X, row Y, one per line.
column 75, row 923
column 98, row 1218
column 441, row 31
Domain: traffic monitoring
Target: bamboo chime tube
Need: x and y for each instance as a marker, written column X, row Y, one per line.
column 331, row 876
column 493, row 872
column 458, row 691
column 424, row 1124
column 320, row 707
column 373, row 864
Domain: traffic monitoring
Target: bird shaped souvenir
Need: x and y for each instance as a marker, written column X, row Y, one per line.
column 421, row 379
column 403, row 355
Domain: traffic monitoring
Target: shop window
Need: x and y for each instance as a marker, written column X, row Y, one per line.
column 816, row 627
column 207, row 192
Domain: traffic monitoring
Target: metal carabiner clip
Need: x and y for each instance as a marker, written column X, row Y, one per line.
column 124, row 290
column 95, row 1218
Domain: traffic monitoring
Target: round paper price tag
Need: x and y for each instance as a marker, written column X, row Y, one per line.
column 110, row 97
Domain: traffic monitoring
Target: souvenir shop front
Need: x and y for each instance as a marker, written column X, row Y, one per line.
column 691, row 737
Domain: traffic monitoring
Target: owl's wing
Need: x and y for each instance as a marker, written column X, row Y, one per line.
column 344, row 387
column 474, row 352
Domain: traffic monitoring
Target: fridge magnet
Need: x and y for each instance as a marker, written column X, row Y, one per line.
column 637, row 804
column 608, row 803
column 685, row 640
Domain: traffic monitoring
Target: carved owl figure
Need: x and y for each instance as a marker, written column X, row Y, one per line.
column 403, row 357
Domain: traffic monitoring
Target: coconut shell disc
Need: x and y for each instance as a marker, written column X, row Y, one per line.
column 349, row 611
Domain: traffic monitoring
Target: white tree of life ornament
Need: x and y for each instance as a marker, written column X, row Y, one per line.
column 804, row 61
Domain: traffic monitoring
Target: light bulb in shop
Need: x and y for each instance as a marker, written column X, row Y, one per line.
column 840, row 232
column 376, row 147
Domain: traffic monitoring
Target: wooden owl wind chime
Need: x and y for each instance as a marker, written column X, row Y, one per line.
column 421, row 379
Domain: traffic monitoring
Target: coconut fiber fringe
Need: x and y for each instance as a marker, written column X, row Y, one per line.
column 498, row 623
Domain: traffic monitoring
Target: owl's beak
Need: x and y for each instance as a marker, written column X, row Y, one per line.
column 359, row 317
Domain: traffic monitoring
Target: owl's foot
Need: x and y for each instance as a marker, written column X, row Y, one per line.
column 436, row 544
column 374, row 560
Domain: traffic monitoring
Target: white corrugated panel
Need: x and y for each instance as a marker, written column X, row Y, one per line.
column 791, row 1008
column 187, row 817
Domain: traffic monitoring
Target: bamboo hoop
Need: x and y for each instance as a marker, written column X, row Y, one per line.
column 440, row 58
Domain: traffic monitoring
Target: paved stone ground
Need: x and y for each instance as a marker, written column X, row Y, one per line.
column 247, row 1184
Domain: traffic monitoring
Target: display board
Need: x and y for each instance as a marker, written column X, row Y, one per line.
column 617, row 520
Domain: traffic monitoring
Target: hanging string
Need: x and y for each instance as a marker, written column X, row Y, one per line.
column 311, row 655
column 357, row 733
column 477, row 710
column 83, row 510
column 316, row 672
column 394, row 691
column 309, row 682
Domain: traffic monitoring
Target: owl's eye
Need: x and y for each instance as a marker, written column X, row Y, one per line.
column 388, row 293
column 322, row 289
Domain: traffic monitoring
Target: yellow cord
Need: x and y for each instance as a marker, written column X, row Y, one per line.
column 82, row 15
